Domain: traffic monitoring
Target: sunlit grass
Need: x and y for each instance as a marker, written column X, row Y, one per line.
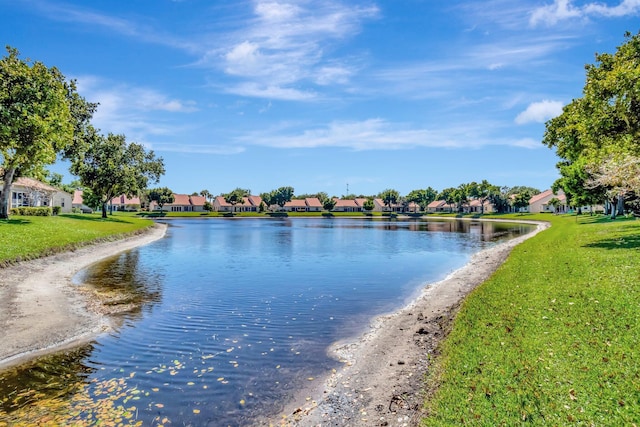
column 553, row 337
column 27, row 237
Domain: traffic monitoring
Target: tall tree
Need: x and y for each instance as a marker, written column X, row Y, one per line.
column 109, row 166
column 236, row 196
column 605, row 121
column 281, row 196
column 483, row 192
column 161, row 195
column 36, row 121
column 521, row 200
column 206, row 194
column 329, row 203
column 389, row 197
column 422, row 197
column 449, row 197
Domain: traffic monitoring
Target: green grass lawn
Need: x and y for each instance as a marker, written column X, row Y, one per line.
column 27, row 237
column 552, row 338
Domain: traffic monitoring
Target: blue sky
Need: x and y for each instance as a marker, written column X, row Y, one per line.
column 315, row 94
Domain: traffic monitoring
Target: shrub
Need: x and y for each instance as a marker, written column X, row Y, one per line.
column 56, row 210
column 29, row 211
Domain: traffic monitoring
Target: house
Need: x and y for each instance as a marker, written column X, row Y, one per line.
column 309, row 204
column 346, row 206
column 181, row 203
column 476, row 206
column 249, row 204
column 125, row 204
column 313, row 204
column 295, row 205
column 78, row 202
column 439, row 206
column 33, row 193
column 540, row 202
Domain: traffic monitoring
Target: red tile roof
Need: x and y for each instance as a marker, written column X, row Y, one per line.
column 313, row 202
column 181, row 199
column 345, row 204
column 296, row 203
column 197, row 200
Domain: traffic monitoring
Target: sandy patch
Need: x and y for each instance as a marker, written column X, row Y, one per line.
column 41, row 311
column 382, row 377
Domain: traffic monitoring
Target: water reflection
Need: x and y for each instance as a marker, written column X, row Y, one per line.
column 122, row 285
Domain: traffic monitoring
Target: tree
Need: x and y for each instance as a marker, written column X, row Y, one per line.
column 618, row 175
column 368, row 205
column 389, row 197
column 206, row 194
column 461, row 195
column 422, row 197
column 109, row 166
column 36, row 121
column 483, row 192
column 555, row 202
column 329, row 204
column 521, row 200
column 449, row 197
column 161, row 196
column 281, row 196
column 207, row 206
column 236, row 196
column 605, row 121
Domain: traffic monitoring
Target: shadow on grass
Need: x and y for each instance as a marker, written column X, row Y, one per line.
column 14, row 222
column 628, row 242
column 95, row 218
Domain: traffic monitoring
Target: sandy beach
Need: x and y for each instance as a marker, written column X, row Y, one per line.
column 381, row 381
column 41, row 311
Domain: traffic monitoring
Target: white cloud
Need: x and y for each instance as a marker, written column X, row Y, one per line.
column 561, row 10
column 257, row 90
column 130, row 110
column 539, row 112
column 287, row 44
column 377, row 134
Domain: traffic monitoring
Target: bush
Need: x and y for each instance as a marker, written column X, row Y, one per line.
column 56, row 210
column 29, row 211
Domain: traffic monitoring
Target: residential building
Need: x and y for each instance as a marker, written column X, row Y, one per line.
column 540, row 202
column 33, row 193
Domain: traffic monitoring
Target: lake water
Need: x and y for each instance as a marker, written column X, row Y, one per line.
column 229, row 317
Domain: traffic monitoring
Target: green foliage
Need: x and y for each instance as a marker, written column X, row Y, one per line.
column 329, row 204
column 236, row 196
column 389, row 197
column 36, row 122
column 110, row 166
column 521, row 200
column 604, row 122
column 280, row 196
column 422, row 197
column 161, row 196
column 33, row 211
column 368, row 205
column 552, row 337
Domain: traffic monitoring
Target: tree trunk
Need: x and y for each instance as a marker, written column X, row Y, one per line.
column 620, row 205
column 5, row 198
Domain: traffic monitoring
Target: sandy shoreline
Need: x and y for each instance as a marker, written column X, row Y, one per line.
column 42, row 312
column 383, row 371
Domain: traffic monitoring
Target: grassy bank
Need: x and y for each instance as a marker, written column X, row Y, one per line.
column 553, row 337
column 28, row 237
